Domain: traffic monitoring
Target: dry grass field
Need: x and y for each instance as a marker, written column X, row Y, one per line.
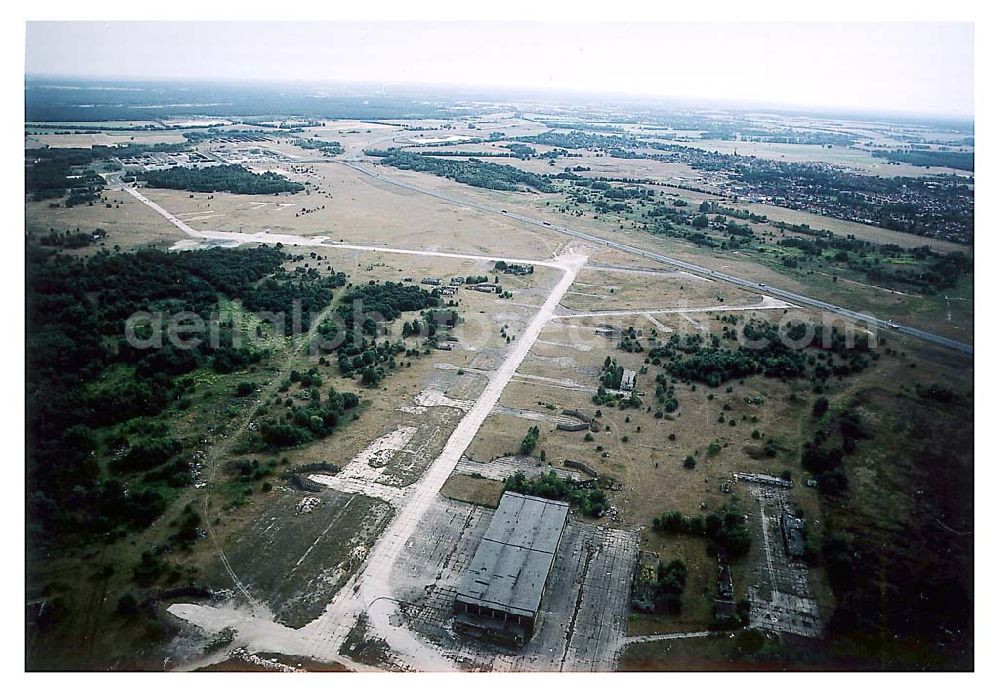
column 107, row 138
column 129, row 223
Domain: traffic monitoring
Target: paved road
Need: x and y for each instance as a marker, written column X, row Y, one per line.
column 882, row 324
column 765, row 303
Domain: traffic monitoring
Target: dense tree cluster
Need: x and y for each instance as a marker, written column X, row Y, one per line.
column 925, row 269
column 329, row 148
column 62, row 171
column 592, row 502
column 728, row 527
column 67, row 171
column 771, row 350
column 608, row 387
column 314, row 420
column 530, row 440
column 671, row 579
column 500, row 177
column 293, row 299
column 520, row 150
column 389, row 300
column 930, row 158
column 361, row 315
column 233, row 178
column 630, row 342
column 836, row 437
column 607, row 198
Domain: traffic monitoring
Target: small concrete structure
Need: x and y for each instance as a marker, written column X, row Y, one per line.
column 793, row 533
column 644, row 582
column 500, row 594
column 628, row 380
column 763, row 479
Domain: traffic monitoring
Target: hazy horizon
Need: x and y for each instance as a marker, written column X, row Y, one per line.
column 899, row 68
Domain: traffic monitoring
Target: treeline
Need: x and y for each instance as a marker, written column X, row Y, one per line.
column 499, row 177
column 241, row 135
column 933, row 271
column 72, row 240
column 232, row 178
column 744, row 214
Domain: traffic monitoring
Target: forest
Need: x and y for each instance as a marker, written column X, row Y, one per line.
column 94, row 397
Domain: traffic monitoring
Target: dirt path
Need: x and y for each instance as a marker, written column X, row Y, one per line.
column 225, row 445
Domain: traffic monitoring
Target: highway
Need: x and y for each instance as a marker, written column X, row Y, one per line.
column 787, row 295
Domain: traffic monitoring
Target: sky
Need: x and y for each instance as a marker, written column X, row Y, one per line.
column 920, row 68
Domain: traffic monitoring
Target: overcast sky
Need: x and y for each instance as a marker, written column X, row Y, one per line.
column 918, row 68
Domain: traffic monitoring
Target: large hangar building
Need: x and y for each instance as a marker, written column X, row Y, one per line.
column 502, row 590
